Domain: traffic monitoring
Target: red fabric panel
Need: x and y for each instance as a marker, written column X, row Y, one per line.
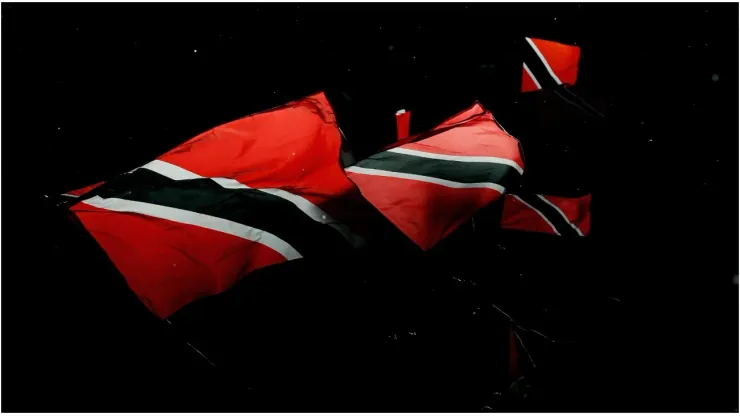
column 169, row 264
column 518, row 216
column 562, row 58
column 425, row 212
column 403, row 124
column 294, row 147
column 478, row 136
column 528, row 83
column 578, row 210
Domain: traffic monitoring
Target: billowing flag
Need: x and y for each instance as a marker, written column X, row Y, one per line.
column 429, row 186
column 548, row 63
column 547, row 214
column 257, row 191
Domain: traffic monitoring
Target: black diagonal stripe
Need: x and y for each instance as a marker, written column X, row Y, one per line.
column 534, row 63
column 249, row 207
column 550, row 213
column 464, row 172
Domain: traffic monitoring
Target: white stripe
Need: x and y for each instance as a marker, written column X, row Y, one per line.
column 198, row 220
column 531, row 75
column 428, row 179
column 544, row 61
column 457, row 158
column 315, row 213
column 308, row 208
column 538, row 212
column 171, row 171
column 561, row 214
column 70, row 195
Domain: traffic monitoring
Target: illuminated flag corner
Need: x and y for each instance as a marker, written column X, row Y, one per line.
column 547, row 214
column 254, row 192
column 429, row 187
column 547, row 63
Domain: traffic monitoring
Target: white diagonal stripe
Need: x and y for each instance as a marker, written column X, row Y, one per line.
column 199, row 220
column 538, row 212
column 428, row 179
column 531, row 75
column 544, row 61
column 458, row 158
column 315, row 213
column 171, row 171
column 562, row 214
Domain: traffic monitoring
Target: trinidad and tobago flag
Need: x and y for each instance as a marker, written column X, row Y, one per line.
column 432, row 183
column 548, row 63
column 254, row 192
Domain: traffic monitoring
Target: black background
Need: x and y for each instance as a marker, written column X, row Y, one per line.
column 91, row 90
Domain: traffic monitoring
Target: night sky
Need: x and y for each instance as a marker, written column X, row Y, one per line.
column 92, row 90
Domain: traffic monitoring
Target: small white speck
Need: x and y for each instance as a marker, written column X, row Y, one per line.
column 715, row 77
column 413, row 57
column 174, row 265
column 650, row 140
column 348, row 69
column 734, row 279
column 293, row 153
column 59, row 128
column 323, row 217
column 554, row 18
column 642, row 122
column 195, row 51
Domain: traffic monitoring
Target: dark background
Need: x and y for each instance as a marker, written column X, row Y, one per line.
column 91, row 90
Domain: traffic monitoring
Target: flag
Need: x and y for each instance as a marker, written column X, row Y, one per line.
column 258, row 191
column 547, row 214
column 432, row 183
column 548, row 63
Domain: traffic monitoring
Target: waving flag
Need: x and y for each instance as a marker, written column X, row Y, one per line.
column 433, row 183
column 547, row 214
column 548, row 63
column 261, row 190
